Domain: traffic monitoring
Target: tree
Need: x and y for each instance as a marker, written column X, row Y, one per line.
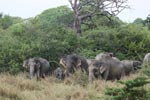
column 91, row 8
column 138, row 21
column 147, row 22
column 6, row 21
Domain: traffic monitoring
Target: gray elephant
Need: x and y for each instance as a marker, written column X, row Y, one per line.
column 130, row 66
column 37, row 66
column 73, row 62
column 59, row 73
column 106, row 68
column 146, row 58
column 106, row 54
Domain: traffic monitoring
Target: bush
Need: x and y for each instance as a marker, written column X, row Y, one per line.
column 126, row 42
column 49, row 35
column 132, row 90
column 146, row 69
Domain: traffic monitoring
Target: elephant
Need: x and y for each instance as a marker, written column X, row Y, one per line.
column 74, row 62
column 130, row 66
column 146, row 58
column 106, row 54
column 106, row 68
column 37, row 66
column 59, row 73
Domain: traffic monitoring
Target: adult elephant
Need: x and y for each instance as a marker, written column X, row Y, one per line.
column 74, row 62
column 130, row 66
column 106, row 68
column 37, row 66
column 106, row 54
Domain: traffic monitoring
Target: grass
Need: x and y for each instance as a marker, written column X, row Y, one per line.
column 20, row 88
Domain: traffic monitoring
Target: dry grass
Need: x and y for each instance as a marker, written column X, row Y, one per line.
column 20, row 88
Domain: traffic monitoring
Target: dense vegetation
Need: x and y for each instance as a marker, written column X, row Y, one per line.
column 50, row 35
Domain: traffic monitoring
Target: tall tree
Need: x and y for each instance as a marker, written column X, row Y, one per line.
column 91, row 8
column 147, row 21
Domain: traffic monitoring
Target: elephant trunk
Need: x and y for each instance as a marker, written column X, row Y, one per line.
column 31, row 71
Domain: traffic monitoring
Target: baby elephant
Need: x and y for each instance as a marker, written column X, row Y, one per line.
column 59, row 73
column 37, row 66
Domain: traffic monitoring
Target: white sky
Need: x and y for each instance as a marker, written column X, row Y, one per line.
column 31, row 8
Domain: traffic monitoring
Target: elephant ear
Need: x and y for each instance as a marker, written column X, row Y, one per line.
column 102, row 69
column 63, row 62
column 25, row 64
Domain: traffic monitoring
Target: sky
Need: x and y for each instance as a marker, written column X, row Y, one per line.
column 31, row 8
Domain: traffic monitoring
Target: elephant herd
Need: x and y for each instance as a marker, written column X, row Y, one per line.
column 105, row 66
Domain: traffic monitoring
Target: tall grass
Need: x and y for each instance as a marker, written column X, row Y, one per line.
column 20, row 88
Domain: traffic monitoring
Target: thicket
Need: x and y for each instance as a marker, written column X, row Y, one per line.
column 50, row 35
column 131, row 90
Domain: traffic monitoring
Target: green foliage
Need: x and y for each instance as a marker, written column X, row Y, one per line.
column 146, row 69
column 131, row 90
column 6, row 21
column 139, row 21
column 127, row 41
column 49, row 35
column 50, row 45
column 56, row 16
column 147, row 22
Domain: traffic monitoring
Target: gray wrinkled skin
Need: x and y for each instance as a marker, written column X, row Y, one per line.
column 130, row 66
column 105, row 55
column 106, row 67
column 59, row 73
column 73, row 62
column 37, row 66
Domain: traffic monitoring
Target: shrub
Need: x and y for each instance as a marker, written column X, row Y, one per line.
column 131, row 90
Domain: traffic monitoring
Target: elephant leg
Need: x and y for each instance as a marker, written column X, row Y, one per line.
column 43, row 75
column 105, row 75
column 91, row 75
column 122, row 74
column 38, row 75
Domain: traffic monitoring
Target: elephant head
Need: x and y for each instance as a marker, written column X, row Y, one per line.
column 136, row 65
column 96, row 70
column 36, row 66
column 59, row 73
column 106, row 68
column 25, row 64
column 73, row 62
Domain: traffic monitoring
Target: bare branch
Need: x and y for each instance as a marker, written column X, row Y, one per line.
column 91, row 8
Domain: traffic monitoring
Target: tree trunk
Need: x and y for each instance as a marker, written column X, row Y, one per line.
column 77, row 26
